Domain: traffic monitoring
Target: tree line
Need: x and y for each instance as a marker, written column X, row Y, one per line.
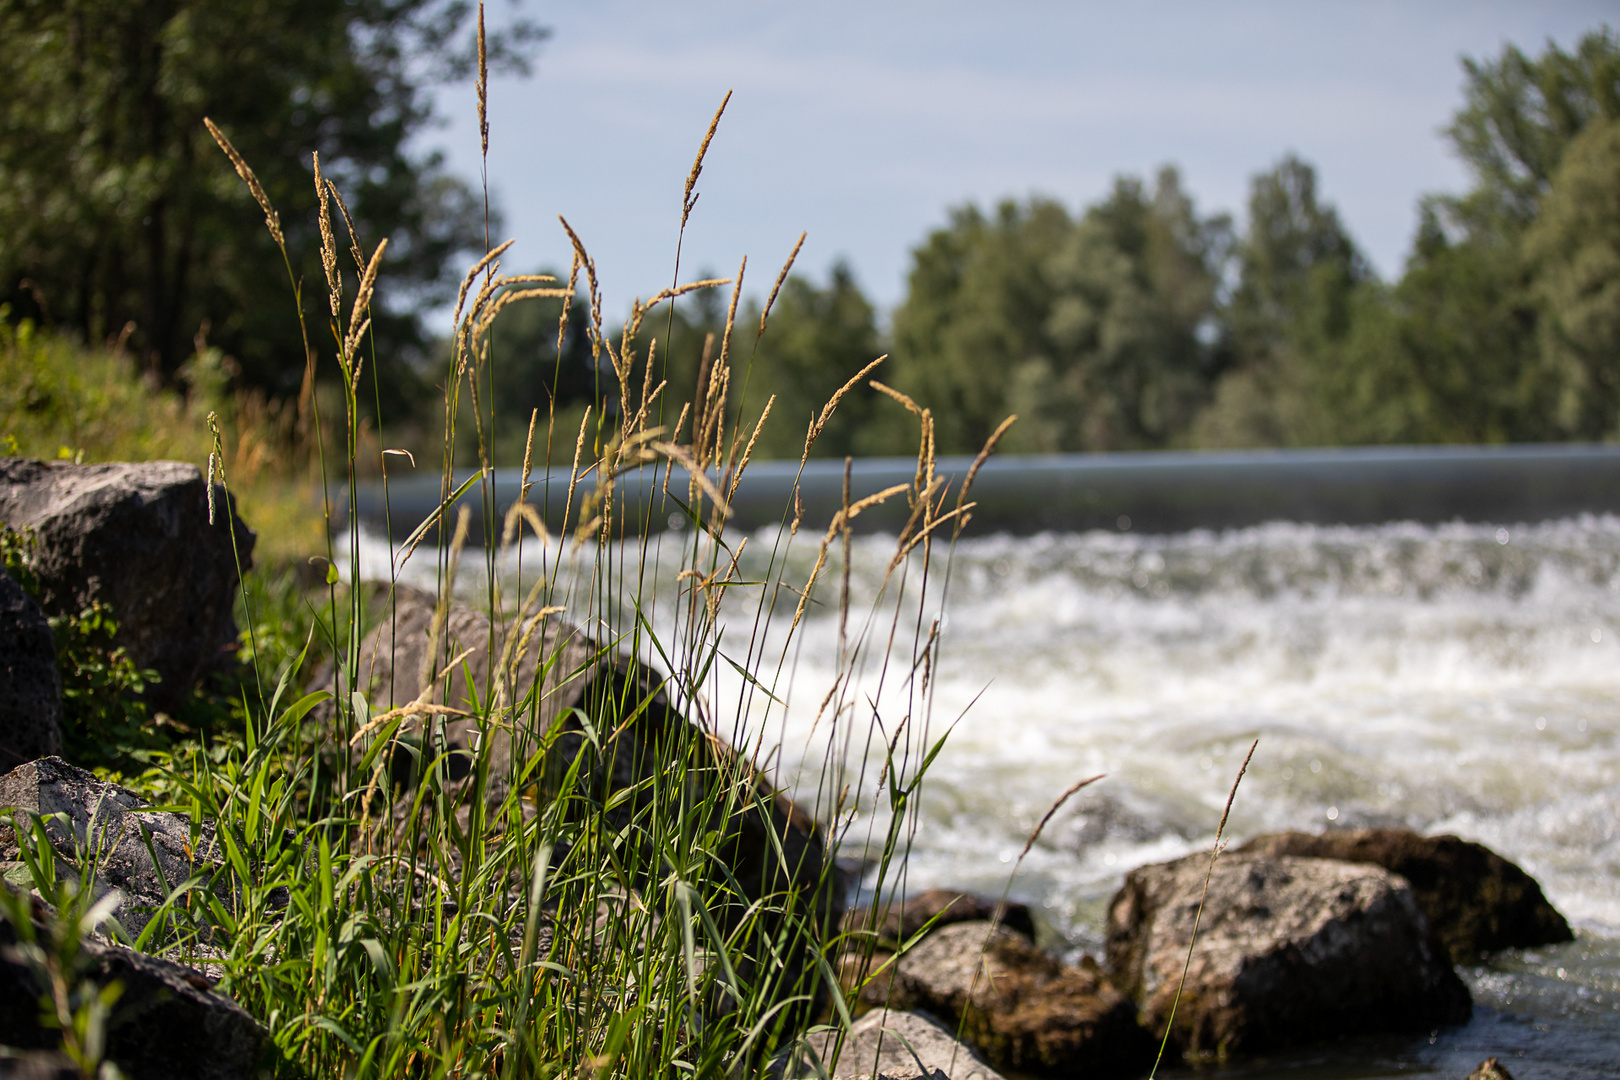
column 1138, row 322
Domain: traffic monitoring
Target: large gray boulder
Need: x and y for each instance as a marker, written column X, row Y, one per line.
column 30, row 688
column 135, row 538
column 1289, row 950
column 114, row 826
column 1476, row 901
column 891, row 1045
column 167, row 1024
column 1021, row 1008
column 552, row 672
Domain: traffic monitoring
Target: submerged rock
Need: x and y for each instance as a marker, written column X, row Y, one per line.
column 167, row 1024
column 1289, row 950
column 30, row 687
column 1490, row 1069
column 135, row 538
column 1475, row 900
column 892, row 1045
column 111, row 825
column 1022, row 1009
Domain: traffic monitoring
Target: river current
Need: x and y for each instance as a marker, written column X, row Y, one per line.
column 1453, row 678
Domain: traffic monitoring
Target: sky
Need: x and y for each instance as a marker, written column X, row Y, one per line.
column 863, row 123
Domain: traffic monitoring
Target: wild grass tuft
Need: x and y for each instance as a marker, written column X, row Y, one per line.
column 570, row 865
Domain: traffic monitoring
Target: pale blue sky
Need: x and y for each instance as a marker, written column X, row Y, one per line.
column 863, row 122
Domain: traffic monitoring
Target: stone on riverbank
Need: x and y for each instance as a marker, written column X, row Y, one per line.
column 769, row 846
column 116, row 825
column 901, row 920
column 135, row 538
column 1022, row 1009
column 167, row 1024
column 893, row 1045
column 30, row 687
column 1289, row 950
column 1476, row 901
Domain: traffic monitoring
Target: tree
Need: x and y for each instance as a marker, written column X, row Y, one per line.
column 1132, row 326
column 1520, row 116
column 975, row 312
column 1574, row 247
column 816, row 339
column 1298, row 274
column 117, row 208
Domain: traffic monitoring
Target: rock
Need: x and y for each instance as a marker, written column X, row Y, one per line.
column 1475, row 900
column 868, row 977
column 898, row 922
column 769, row 846
column 136, row 538
column 168, row 1024
column 117, row 824
column 1022, row 1009
column 1490, row 1069
column 30, row 688
column 38, row 1065
column 897, row 1046
column 398, row 656
column 1289, row 950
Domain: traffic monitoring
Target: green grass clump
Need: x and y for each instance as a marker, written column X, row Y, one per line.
column 64, row 400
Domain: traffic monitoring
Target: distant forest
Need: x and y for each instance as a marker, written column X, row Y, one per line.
column 1139, row 323
column 1133, row 323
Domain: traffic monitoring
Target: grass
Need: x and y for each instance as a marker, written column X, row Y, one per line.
column 610, row 889
column 60, row 399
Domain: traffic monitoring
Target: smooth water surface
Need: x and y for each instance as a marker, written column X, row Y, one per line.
column 1454, row 678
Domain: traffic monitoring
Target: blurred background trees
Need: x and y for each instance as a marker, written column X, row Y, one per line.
column 117, row 210
column 1138, row 322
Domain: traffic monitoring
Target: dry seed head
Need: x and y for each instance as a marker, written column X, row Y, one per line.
column 472, row 275
column 528, row 450
column 272, row 220
column 736, row 477
column 562, row 320
column 688, row 200
column 731, row 313
column 780, row 278
column 820, row 422
column 483, row 85
column 983, row 455
column 585, row 261
column 700, row 477
column 334, row 288
column 355, row 253
column 362, row 300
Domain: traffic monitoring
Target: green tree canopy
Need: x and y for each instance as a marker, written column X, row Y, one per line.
column 1100, row 332
column 116, row 207
column 1574, row 247
column 816, row 339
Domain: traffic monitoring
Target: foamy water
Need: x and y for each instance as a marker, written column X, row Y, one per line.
column 1460, row 679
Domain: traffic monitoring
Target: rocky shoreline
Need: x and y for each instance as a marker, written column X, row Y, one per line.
column 1299, row 937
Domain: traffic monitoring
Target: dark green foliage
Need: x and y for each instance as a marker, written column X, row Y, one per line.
column 976, row 311
column 104, row 718
column 117, row 208
column 816, row 339
column 1100, row 333
column 1574, row 248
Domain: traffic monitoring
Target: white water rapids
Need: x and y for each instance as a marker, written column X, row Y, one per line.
column 1457, row 678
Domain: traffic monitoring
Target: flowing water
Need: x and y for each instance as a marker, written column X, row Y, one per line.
column 1456, row 678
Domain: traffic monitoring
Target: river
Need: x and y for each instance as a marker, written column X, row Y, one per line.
column 1460, row 678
